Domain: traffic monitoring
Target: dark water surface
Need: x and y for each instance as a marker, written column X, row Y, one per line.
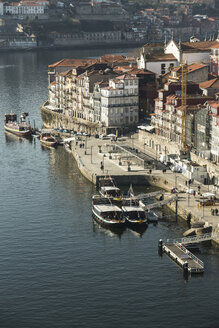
column 57, row 268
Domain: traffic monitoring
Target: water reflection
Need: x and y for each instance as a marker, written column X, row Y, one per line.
column 10, row 137
column 111, row 232
column 139, row 231
column 46, row 147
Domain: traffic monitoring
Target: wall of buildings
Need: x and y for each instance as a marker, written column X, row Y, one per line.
column 158, row 143
column 196, row 57
column 160, row 67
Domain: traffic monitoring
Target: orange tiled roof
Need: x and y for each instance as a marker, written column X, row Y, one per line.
column 208, row 84
column 161, row 57
column 65, row 73
column 198, row 46
column 112, row 58
column 190, row 68
column 73, row 62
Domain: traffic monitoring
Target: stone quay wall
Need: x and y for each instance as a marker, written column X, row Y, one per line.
column 53, row 120
column 158, row 143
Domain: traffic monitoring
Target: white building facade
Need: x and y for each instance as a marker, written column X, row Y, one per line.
column 190, row 52
column 213, row 107
column 120, row 101
column 25, row 8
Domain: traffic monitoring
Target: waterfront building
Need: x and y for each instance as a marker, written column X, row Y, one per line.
column 25, row 7
column 67, row 64
column 82, row 92
column 167, row 118
column 198, row 130
column 147, row 88
column 120, row 101
column 213, row 107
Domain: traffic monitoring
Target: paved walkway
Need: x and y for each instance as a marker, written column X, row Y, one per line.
column 91, row 157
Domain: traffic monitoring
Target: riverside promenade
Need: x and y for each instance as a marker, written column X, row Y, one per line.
column 95, row 158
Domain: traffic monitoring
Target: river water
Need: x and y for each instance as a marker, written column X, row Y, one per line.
column 58, row 268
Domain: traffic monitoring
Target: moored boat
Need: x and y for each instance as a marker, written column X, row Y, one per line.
column 20, row 128
column 108, row 215
column 67, row 143
column 47, row 139
column 135, row 216
column 152, row 217
column 111, row 192
column 106, row 181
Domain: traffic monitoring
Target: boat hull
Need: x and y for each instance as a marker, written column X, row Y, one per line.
column 108, row 224
column 136, row 224
column 48, row 144
column 24, row 133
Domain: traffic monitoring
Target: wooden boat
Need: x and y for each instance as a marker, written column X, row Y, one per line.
column 106, row 181
column 135, row 216
column 20, row 128
column 47, row 139
column 111, row 192
column 109, row 216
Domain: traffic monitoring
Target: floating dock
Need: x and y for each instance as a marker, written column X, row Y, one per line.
column 183, row 257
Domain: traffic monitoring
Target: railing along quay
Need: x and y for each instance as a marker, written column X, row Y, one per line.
column 182, row 256
column 195, row 239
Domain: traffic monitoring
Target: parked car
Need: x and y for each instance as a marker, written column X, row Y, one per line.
column 102, row 136
column 190, row 191
column 174, row 190
column 206, row 202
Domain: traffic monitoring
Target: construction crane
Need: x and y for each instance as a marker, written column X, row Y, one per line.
column 184, row 103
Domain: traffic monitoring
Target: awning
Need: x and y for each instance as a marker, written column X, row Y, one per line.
column 69, row 139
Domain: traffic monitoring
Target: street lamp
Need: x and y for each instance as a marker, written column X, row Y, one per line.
column 132, row 137
column 91, row 149
column 103, row 162
column 188, row 198
column 85, row 152
column 176, row 180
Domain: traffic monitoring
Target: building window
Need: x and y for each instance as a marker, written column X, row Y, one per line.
column 162, row 68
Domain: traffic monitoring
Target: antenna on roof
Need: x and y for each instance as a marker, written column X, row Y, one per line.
column 172, row 35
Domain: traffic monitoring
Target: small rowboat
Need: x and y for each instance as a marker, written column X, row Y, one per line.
column 48, row 140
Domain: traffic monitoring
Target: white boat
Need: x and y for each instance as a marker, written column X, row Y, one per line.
column 111, row 192
column 67, row 143
column 135, row 216
column 108, row 215
column 48, row 140
column 20, row 128
column 152, row 216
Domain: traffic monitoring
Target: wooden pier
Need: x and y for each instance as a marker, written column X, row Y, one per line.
column 183, row 257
